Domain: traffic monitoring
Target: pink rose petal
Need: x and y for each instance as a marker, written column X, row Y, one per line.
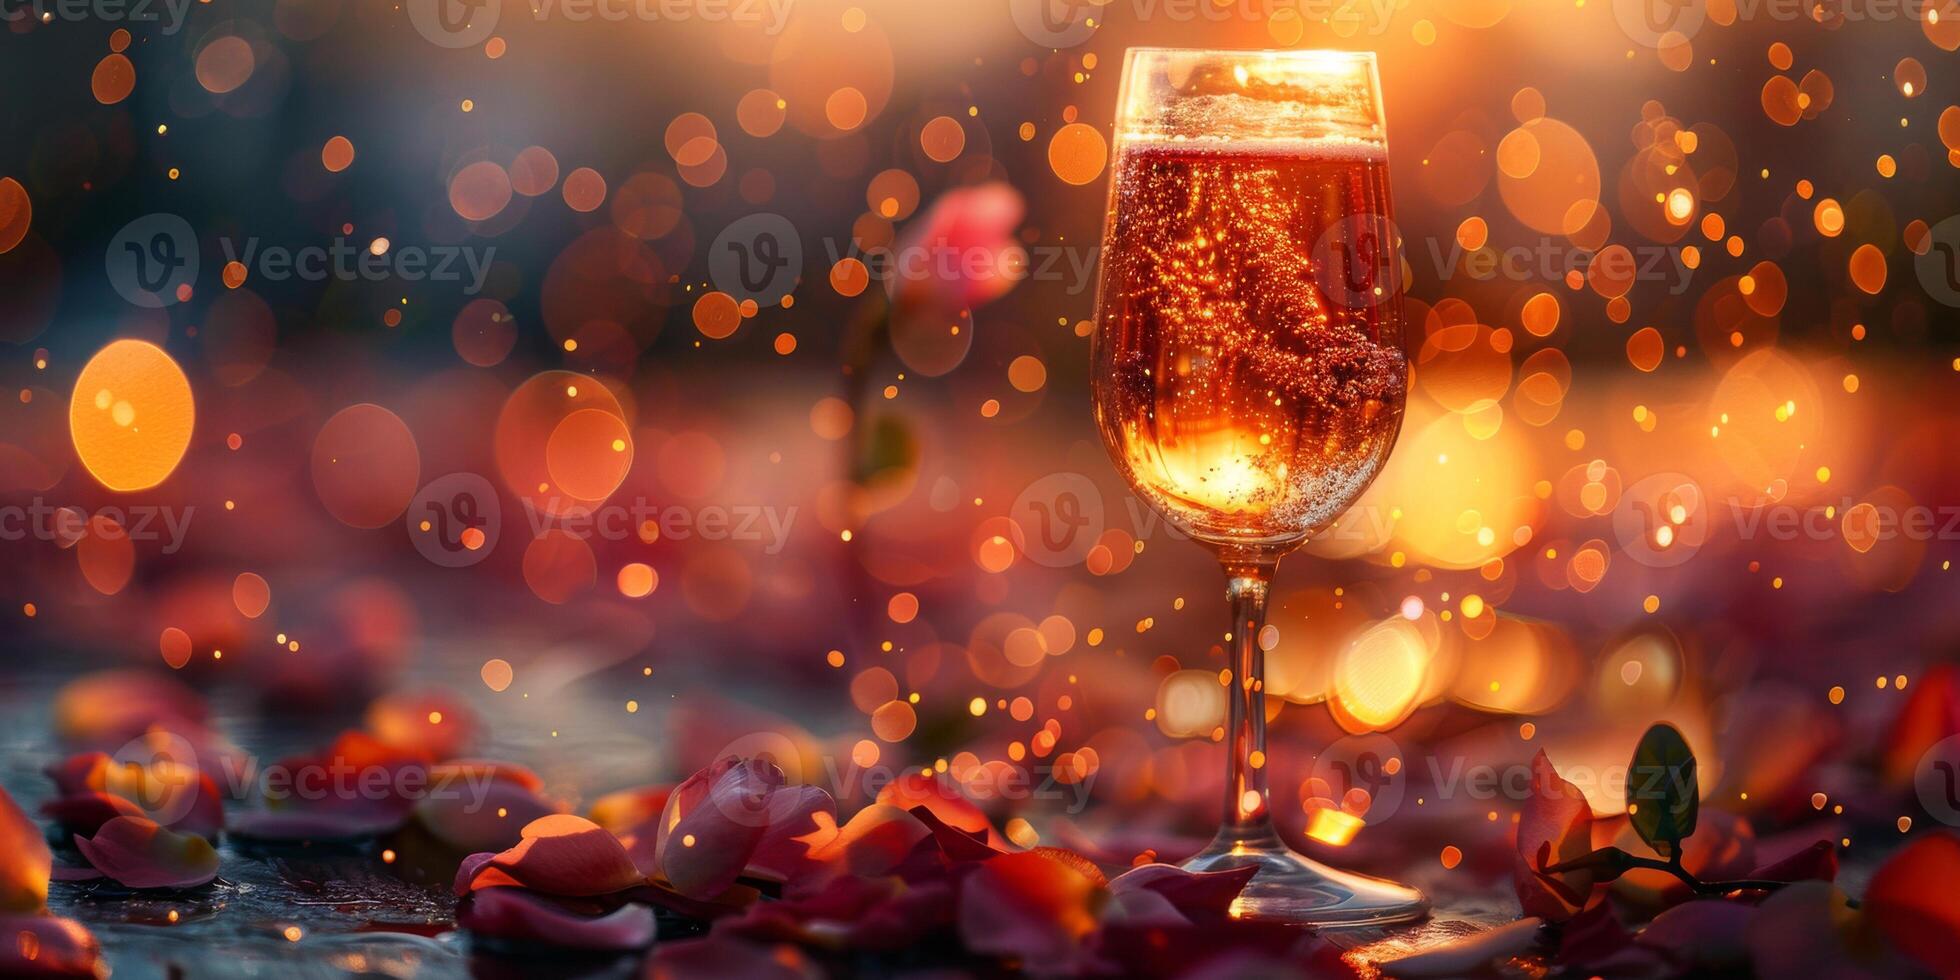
column 1201, row 896
column 25, row 861
column 137, row 853
column 964, row 222
column 45, row 946
column 524, row 916
column 562, row 854
column 706, row 839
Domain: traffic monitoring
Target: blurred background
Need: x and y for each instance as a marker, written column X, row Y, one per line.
column 1679, row 446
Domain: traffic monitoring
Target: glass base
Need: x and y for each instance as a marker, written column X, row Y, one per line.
column 1292, row 888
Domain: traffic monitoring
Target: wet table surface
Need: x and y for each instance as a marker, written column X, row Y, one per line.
column 325, row 911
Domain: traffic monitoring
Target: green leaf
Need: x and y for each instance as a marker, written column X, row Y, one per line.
column 1662, row 795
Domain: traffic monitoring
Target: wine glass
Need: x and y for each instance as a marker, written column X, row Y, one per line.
column 1248, row 369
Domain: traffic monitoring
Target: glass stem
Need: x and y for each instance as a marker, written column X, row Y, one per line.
column 1247, row 582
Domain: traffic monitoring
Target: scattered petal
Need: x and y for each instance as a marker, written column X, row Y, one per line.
column 514, row 914
column 137, row 853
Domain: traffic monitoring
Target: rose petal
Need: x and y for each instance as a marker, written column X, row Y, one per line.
column 85, row 813
column 1817, row 862
column 704, row 844
column 623, row 812
column 108, row 708
column 968, row 221
column 1808, row 929
column 1141, row 907
column 1911, row 899
column 875, row 841
column 802, row 820
column 1468, row 956
column 44, row 946
column 25, row 861
column 523, row 916
column 1705, row 935
column 958, row 845
column 478, row 770
column 721, row 958
column 433, row 723
column 1554, row 825
column 1930, row 715
column 1590, row 937
column 945, row 801
column 482, row 817
column 1201, row 896
column 1027, row 906
column 562, row 854
column 466, row 872
column 137, row 853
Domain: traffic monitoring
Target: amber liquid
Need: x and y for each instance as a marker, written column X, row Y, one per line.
column 1249, row 390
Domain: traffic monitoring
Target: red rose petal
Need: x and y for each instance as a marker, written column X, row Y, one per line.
column 938, row 795
column 25, row 861
column 1027, row 906
column 433, row 723
column 85, row 813
column 1911, row 900
column 875, row 841
column 802, row 820
column 958, row 845
column 720, row 958
column 517, row 914
column 562, row 854
column 44, row 946
column 137, row 853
